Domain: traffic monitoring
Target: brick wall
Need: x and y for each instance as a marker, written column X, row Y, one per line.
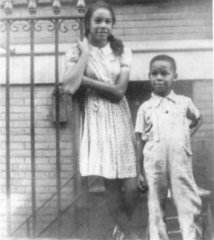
column 164, row 22
column 203, row 98
column 202, row 142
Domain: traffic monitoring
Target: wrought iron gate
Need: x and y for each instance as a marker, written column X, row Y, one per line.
column 32, row 25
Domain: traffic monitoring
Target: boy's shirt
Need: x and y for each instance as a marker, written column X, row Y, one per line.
column 166, row 117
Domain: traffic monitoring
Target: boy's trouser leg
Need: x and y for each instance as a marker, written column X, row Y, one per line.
column 184, row 192
column 155, row 169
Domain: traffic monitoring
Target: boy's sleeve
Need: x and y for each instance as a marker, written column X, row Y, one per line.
column 139, row 126
column 192, row 112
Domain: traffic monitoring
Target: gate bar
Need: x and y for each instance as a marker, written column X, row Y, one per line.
column 84, row 179
column 8, row 177
column 58, row 166
column 32, row 120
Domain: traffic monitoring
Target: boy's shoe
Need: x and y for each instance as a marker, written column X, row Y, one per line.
column 118, row 234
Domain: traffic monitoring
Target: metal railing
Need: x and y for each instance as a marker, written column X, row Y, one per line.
column 27, row 221
column 32, row 24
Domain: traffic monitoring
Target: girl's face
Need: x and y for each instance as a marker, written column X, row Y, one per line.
column 100, row 27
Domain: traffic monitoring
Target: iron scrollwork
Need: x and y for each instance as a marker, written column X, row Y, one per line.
column 75, row 26
column 3, row 26
column 26, row 27
column 50, row 27
column 62, row 28
column 13, row 26
column 37, row 28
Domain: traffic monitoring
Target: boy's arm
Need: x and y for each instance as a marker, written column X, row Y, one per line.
column 195, row 125
column 141, row 180
column 194, row 115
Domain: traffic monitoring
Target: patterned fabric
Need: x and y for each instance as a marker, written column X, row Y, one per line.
column 164, row 124
column 107, row 140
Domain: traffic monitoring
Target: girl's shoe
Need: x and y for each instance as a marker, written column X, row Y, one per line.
column 118, row 234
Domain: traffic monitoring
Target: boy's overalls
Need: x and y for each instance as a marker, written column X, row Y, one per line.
column 167, row 164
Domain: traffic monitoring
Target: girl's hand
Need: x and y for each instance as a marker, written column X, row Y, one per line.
column 67, row 88
column 141, row 184
column 83, row 45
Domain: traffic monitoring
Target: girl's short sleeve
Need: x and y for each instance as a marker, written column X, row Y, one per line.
column 139, row 126
column 72, row 56
column 126, row 58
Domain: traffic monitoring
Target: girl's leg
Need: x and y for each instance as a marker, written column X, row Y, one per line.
column 130, row 195
column 121, row 197
column 114, row 201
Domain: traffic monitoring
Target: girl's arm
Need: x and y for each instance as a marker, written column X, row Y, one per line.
column 195, row 125
column 142, row 185
column 73, row 75
column 114, row 92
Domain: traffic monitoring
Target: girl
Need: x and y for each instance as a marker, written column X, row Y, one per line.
column 101, row 64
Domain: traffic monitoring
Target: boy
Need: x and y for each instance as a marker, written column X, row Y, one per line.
column 163, row 130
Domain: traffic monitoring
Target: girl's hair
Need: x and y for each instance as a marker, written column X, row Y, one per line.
column 116, row 44
column 166, row 58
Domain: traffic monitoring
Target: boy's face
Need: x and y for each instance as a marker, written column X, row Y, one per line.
column 162, row 75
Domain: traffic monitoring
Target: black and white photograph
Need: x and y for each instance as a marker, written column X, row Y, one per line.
column 106, row 120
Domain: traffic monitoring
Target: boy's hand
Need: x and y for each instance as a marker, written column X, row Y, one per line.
column 194, row 126
column 142, row 184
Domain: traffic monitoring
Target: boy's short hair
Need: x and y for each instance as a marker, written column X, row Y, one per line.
column 164, row 57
